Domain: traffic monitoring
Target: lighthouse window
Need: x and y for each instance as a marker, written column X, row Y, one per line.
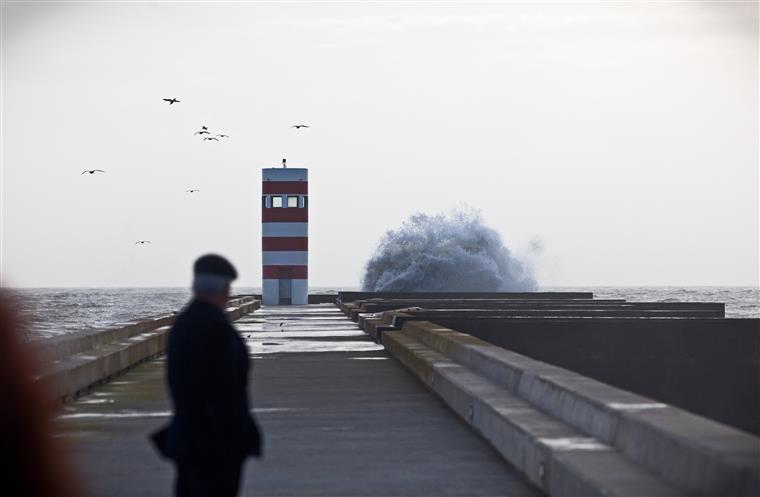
column 264, row 201
column 276, row 201
column 292, row 201
column 305, row 202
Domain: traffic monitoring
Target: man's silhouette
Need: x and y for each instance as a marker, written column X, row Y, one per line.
column 212, row 431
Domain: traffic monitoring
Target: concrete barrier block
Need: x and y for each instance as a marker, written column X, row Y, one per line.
column 553, row 455
column 68, row 376
column 689, row 451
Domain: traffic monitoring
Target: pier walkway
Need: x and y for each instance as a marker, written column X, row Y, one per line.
column 339, row 416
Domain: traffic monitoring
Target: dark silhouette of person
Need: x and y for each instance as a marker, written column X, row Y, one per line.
column 34, row 461
column 212, row 431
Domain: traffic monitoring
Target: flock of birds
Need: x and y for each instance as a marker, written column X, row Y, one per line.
column 203, row 131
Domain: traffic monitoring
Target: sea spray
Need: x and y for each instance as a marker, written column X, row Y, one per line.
column 452, row 252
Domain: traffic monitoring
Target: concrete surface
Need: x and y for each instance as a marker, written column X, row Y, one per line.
column 396, row 318
column 555, row 456
column 546, row 307
column 103, row 355
column 688, row 451
column 706, row 366
column 350, row 296
column 340, row 418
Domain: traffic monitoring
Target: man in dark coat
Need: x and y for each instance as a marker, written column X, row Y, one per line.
column 212, row 431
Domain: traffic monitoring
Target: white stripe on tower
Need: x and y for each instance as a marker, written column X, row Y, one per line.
column 285, row 258
column 285, row 229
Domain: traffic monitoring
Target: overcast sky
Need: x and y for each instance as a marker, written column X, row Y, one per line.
column 623, row 138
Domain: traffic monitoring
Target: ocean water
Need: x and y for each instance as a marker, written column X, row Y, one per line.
column 49, row 312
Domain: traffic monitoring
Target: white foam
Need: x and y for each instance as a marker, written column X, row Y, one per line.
column 444, row 253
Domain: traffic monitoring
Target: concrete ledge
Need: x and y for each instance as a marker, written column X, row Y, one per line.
column 532, row 309
column 553, row 455
column 347, row 301
column 350, row 296
column 708, row 367
column 60, row 347
column 549, row 308
column 688, row 451
column 67, row 376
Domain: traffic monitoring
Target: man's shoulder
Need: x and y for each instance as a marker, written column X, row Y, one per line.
column 199, row 316
column 200, row 310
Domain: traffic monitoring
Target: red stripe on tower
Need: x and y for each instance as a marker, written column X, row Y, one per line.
column 296, row 187
column 289, row 215
column 285, row 243
column 297, row 272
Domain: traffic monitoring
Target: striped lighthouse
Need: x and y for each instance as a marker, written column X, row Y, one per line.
column 285, row 235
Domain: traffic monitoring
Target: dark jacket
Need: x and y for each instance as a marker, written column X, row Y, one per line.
column 208, row 377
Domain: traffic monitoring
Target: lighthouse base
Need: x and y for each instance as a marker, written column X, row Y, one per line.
column 285, row 291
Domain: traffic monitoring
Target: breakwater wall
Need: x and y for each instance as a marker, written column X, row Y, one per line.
column 346, row 297
column 684, row 354
column 707, row 366
column 570, row 434
column 567, row 430
column 77, row 361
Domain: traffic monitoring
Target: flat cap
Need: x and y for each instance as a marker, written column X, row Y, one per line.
column 214, row 264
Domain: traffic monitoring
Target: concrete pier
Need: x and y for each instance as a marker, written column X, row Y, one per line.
column 339, row 415
column 477, row 394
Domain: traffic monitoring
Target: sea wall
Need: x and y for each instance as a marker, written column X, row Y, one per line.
column 77, row 361
column 346, row 297
column 573, row 435
column 706, row 366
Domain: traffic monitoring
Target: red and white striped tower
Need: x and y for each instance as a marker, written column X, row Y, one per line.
column 285, row 235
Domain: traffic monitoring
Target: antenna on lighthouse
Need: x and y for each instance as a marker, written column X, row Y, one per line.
column 284, row 165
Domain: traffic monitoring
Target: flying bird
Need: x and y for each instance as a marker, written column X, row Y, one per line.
column 92, row 171
column 223, row 136
column 192, row 190
column 284, row 162
column 210, row 138
column 141, row 242
column 202, row 133
column 204, row 128
column 171, row 100
column 299, row 126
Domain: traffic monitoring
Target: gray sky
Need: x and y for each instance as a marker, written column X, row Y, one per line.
column 623, row 138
